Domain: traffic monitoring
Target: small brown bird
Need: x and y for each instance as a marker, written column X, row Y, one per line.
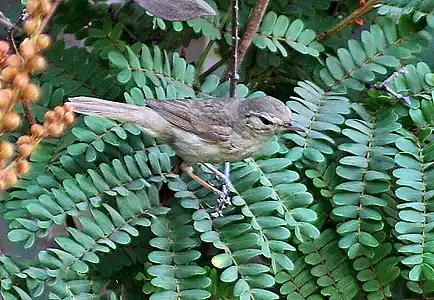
column 210, row 130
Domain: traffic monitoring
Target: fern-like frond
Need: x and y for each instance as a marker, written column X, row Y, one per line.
column 330, row 265
column 415, row 190
column 365, row 168
column 277, row 29
column 321, row 113
column 298, row 283
column 324, row 177
column 381, row 47
column 417, row 82
column 155, row 71
column 77, row 72
column 420, row 9
column 377, row 273
column 174, row 269
column 129, row 179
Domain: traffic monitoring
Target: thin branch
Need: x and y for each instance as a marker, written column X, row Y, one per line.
column 12, row 39
column 233, row 76
column 29, row 114
column 233, row 79
column 204, row 54
column 211, row 69
column 358, row 13
column 6, row 21
column 224, row 199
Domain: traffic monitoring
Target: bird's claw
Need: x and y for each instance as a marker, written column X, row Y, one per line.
column 224, row 198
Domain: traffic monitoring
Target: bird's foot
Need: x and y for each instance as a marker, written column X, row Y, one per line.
column 223, row 195
column 224, row 198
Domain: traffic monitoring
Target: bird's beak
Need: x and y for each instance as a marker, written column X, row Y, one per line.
column 295, row 126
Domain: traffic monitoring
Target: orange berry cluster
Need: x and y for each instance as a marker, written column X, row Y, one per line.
column 55, row 121
column 15, row 87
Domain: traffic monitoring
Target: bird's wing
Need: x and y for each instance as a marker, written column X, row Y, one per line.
column 197, row 116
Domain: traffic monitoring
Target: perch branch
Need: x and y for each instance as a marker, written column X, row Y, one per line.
column 224, row 198
column 249, row 32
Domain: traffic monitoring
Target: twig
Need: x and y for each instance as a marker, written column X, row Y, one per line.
column 29, row 114
column 204, row 54
column 114, row 15
column 212, row 68
column 224, row 199
column 6, row 21
column 12, row 40
column 384, row 86
column 358, row 13
column 233, row 77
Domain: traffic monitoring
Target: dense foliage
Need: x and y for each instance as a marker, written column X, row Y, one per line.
column 342, row 212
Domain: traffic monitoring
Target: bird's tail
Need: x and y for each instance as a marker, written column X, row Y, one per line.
column 108, row 109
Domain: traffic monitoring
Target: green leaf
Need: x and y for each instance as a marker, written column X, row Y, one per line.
column 229, row 275
column 118, row 60
column 222, row 261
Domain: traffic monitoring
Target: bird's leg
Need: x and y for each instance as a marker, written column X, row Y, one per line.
column 219, row 174
column 189, row 171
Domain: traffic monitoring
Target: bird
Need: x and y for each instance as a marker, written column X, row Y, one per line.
column 204, row 130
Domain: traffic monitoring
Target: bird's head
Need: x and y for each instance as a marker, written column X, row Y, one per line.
column 268, row 115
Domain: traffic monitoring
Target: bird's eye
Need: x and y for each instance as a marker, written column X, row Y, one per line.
column 265, row 120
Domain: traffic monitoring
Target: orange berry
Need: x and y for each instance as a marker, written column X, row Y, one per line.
column 2, row 185
column 44, row 7
column 14, row 61
column 43, row 41
column 10, row 179
column 37, row 64
column 5, row 97
column 9, row 73
column 67, row 107
column 11, row 120
column 24, row 139
column 50, row 116
column 6, row 150
column 27, row 49
column 69, row 117
column 30, row 92
column 37, row 130
column 60, row 111
column 55, row 129
column 32, row 6
column 4, row 46
column 31, row 26
column 23, row 167
column 21, row 80
column 25, row 150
